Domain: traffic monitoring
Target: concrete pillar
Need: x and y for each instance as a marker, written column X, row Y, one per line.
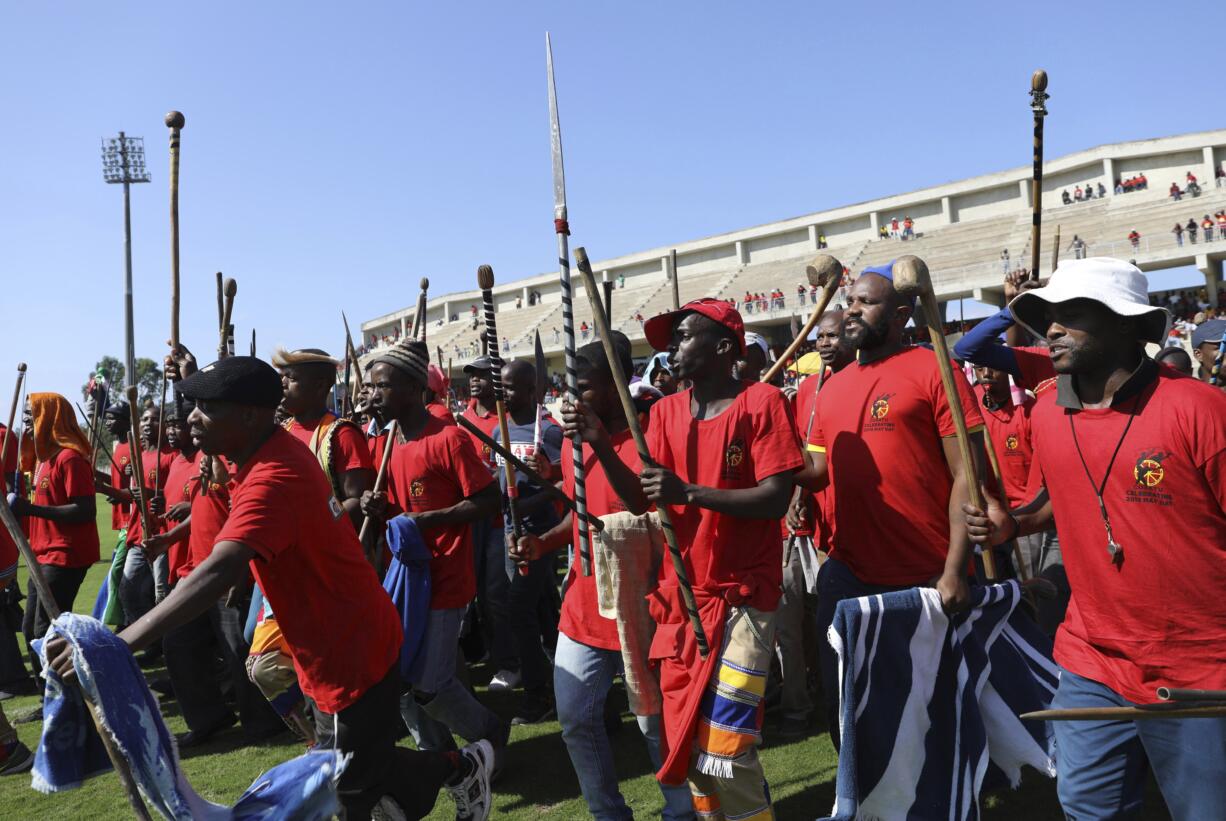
column 947, row 210
column 446, row 311
column 1024, row 185
column 1212, row 272
column 665, row 267
column 1109, row 173
column 524, row 294
column 990, row 296
column 874, row 223
column 1207, row 178
column 814, row 233
column 742, row 252
column 404, row 327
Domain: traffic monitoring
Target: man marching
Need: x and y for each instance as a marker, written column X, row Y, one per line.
column 884, row 439
column 286, row 525
column 724, row 453
column 588, row 656
column 1133, row 458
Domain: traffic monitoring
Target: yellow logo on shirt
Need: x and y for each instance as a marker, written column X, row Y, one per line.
column 735, row 454
column 880, row 407
column 417, row 488
column 1148, row 471
column 1011, row 441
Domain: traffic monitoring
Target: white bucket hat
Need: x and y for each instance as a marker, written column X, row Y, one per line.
column 1121, row 287
column 752, row 338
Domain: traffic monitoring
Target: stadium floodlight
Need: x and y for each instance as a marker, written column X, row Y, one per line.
column 123, row 162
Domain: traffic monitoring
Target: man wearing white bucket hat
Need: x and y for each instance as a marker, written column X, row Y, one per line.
column 1133, row 458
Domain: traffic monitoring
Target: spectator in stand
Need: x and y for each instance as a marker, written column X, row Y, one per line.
column 821, row 242
column 1191, row 178
column 908, row 228
column 638, row 316
column 1219, row 176
column 1102, row 190
column 1078, row 247
column 1207, row 225
column 1175, row 193
column 519, row 302
column 1178, row 232
column 1221, row 224
column 1119, row 187
column 621, row 281
column 1135, row 238
column 894, row 227
column 800, row 294
column 1142, row 182
column 1191, row 228
column 883, row 232
column 1004, row 261
column 584, row 330
column 1078, row 196
column 1065, row 198
column 557, row 335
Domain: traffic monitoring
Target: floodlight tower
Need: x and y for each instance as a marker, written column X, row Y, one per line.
column 123, row 161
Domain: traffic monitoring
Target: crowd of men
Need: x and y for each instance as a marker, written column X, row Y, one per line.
column 246, row 499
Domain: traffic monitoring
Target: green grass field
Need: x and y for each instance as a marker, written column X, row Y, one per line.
column 537, row 782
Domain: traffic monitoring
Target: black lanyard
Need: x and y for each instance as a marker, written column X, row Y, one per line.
column 1113, row 549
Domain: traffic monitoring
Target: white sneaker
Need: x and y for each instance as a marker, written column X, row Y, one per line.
column 472, row 794
column 387, row 810
column 505, row 681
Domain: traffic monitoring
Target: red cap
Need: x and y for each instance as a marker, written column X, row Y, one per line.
column 659, row 329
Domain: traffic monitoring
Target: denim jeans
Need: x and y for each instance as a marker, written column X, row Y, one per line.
column 1101, row 764
column 582, row 676
column 493, row 586
column 142, row 583
column 439, row 704
column 527, row 598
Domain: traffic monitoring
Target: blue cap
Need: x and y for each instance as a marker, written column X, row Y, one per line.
column 887, row 272
column 1210, row 331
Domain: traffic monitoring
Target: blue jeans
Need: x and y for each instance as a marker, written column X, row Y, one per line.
column 1101, row 764
column 439, row 704
column 582, row 676
column 143, row 584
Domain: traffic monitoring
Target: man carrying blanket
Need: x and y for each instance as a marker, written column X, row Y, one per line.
column 1133, row 457
column 343, row 631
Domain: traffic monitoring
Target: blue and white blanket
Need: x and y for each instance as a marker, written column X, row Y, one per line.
column 70, row 750
column 928, row 701
column 407, row 581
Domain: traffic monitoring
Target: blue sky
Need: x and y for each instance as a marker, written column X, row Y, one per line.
column 335, row 153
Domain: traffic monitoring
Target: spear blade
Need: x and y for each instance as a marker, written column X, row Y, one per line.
column 555, row 142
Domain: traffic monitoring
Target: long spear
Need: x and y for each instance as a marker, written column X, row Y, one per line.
column 420, row 330
column 562, row 228
column 4, row 446
column 632, row 419
column 1038, row 100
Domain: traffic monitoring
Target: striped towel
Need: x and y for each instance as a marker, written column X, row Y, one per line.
column 929, row 701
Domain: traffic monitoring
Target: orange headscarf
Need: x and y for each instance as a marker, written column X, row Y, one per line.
column 55, row 426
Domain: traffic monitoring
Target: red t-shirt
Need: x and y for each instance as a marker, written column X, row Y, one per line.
column 350, row 450
column 1158, row 618
column 753, row 439
column 209, row 513
column 1034, row 366
column 341, row 627
column 488, row 423
column 438, row 469
column 8, row 466
column 157, row 468
column 880, row 426
column 121, row 455
column 182, row 485
column 1009, row 429
column 67, row 476
column 581, row 619
column 804, row 407
column 441, row 413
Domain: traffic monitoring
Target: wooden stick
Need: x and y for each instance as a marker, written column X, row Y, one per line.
column 421, row 310
column 911, row 279
column 95, row 442
column 4, row 445
column 47, row 601
column 1038, row 98
column 636, row 430
column 138, row 467
column 825, row 271
column 534, row 477
column 485, row 280
column 1055, row 249
column 676, row 285
column 352, row 353
column 221, row 309
column 380, row 485
column 1138, row 713
column 223, row 348
column 1023, row 569
column 174, row 121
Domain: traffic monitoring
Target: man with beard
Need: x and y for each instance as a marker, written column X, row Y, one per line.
column 723, row 453
column 287, row 527
column 1133, row 459
column 884, row 438
column 806, row 537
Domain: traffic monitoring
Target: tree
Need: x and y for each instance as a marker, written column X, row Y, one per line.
column 148, row 381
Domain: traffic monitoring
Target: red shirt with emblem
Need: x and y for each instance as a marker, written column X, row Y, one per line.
column 488, row 423
column 753, row 439
column 209, row 512
column 66, row 476
column 182, row 485
column 350, row 450
column 121, row 455
column 581, row 619
column 880, row 426
column 8, row 467
column 1009, row 430
column 823, row 502
column 157, row 468
column 1158, row 617
column 438, row 469
column 341, row 626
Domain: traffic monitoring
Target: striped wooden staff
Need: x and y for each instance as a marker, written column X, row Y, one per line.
column 640, row 442
column 1038, row 101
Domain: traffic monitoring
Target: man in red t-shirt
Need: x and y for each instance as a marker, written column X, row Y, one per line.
column 884, row 438
column 588, row 654
column 287, row 527
column 489, row 547
column 1133, row 459
column 437, row 478
column 61, row 523
column 118, row 421
column 724, row 452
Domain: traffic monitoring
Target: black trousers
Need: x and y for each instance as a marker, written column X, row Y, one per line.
column 64, row 583
column 13, row 674
column 191, row 655
column 367, row 729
